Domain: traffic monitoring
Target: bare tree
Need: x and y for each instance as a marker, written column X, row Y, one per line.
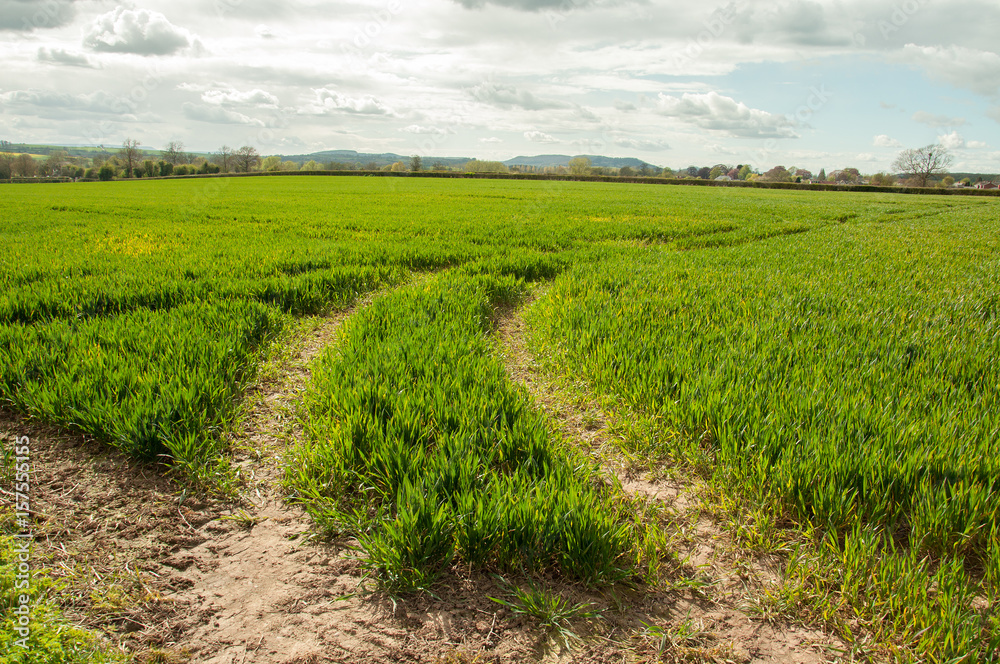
column 246, row 159
column 174, row 153
column 225, row 158
column 924, row 162
column 130, row 156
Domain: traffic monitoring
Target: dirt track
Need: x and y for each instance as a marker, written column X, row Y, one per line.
column 210, row 582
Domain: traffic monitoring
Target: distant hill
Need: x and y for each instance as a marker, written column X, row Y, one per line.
column 553, row 160
column 989, row 177
column 350, row 157
column 387, row 158
column 365, row 158
column 76, row 150
column 71, row 150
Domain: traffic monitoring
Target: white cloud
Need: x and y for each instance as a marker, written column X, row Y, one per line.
column 538, row 5
column 508, row 96
column 267, row 10
column 716, row 148
column 539, row 137
column 716, row 112
column 234, row 97
column 330, row 101
column 976, row 145
column 28, row 15
column 607, row 82
column 217, row 115
column 866, row 156
column 932, row 120
column 58, row 56
column 95, row 102
column 645, row 145
column 884, row 141
column 493, row 73
column 798, row 22
column 952, row 141
column 962, row 67
column 421, row 130
column 138, row 31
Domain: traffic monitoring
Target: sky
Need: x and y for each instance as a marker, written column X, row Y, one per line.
column 835, row 84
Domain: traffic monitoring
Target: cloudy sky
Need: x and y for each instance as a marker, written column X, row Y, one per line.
column 794, row 82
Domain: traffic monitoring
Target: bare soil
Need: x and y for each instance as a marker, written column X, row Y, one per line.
column 104, row 523
column 733, row 577
column 172, row 577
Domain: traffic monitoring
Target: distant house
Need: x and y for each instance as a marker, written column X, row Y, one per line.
column 723, row 178
column 987, row 185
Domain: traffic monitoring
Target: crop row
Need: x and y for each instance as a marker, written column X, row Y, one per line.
column 846, row 377
column 149, row 382
column 420, row 445
column 826, row 357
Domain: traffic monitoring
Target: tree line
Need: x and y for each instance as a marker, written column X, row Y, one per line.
column 130, row 161
column 915, row 167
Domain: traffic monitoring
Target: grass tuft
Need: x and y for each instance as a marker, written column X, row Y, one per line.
column 552, row 611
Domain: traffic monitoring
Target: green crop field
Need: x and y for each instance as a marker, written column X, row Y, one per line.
column 825, row 361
